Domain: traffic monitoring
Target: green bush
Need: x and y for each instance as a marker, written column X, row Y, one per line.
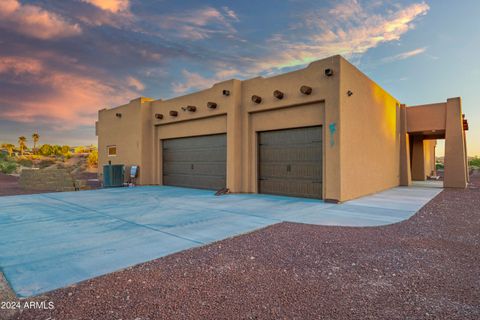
column 439, row 165
column 7, row 167
column 475, row 162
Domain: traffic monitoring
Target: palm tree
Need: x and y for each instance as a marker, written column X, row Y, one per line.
column 9, row 148
column 22, row 143
column 35, row 138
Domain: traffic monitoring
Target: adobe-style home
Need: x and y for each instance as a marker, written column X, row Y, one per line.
column 326, row 132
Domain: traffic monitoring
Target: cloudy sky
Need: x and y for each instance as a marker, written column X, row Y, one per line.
column 62, row 61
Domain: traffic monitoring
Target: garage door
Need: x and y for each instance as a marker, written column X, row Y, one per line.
column 196, row 162
column 290, row 162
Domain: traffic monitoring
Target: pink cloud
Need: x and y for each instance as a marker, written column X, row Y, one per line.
column 73, row 98
column 33, row 21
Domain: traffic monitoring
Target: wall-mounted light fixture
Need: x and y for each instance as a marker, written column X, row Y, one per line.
column 158, row 116
column 118, row 115
column 226, row 92
column 173, row 113
column 278, row 94
column 349, row 93
column 189, row 108
column 256, row 99
column 211, row 105
column 329, row 72
column 306, row 90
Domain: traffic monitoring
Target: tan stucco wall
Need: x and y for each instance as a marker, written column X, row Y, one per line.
column 363, row 133
column 125, row 133
column 428, row 117
column 369, row 135
column 456, row 169
column 423, row 158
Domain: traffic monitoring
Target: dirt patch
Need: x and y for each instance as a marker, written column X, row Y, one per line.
column 427, row 267
column 9, row 186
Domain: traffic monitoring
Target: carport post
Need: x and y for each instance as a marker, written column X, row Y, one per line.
column 405, row 171
column 455, row 164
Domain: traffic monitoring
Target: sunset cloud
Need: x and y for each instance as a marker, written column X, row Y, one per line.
column 405, row 55
column 63, row 99
column 135, row 83
column 201, row 23
column 33, row 21
column 192, row 81
column 349, row 29
column 110, row 5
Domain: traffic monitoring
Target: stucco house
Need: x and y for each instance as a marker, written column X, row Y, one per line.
column 326, row 131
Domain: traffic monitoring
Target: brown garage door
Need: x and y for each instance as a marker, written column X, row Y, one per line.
column 195, row 162
column 290, row 162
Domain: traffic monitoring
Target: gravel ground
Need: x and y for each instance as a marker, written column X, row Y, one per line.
column 427, row 267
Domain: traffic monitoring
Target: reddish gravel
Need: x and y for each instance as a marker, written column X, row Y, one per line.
column 425, row 268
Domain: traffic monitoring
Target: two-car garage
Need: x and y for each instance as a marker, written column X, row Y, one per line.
column 289, row 162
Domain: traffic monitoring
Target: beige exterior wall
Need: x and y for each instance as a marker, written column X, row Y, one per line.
column 365, row 134
column 369, row 135
column 423, row 158
column 127, row 133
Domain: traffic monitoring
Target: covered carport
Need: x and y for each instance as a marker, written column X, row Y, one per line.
column 421, row 126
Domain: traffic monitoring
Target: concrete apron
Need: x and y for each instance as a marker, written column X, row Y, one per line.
column 53, row 240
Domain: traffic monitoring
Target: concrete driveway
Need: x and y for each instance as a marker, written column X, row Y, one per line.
column 52, row 240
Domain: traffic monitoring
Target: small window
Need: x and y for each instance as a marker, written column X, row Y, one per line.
column 112, row 151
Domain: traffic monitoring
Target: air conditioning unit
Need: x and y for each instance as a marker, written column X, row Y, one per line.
column 113, row 175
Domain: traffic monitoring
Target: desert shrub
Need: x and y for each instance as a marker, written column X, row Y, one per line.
column 92, row 159
column 80, row 149
column 24, row 162
column 475, row 162
column 7, row 167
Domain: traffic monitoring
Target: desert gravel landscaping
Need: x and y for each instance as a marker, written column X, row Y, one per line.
column 427, row 267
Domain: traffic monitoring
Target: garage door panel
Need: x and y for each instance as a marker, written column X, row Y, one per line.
column 199, row 142
column 197, row 162
column 195, row 168
column 305, row 152
column 310, row 171
column 290, row 162
column 294, row 188
column 189, row 181
column 199, row 155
